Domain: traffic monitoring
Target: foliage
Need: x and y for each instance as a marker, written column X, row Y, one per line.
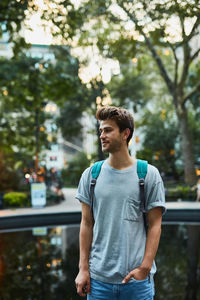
column 184, row 191
column 26, row 85
column 64, row 19
column 70, row 120
column 9, row 179
column 15, row 199
column 179, row 192
column 76, row 166
column 12, row 19
column 160, row 140
column 22, row 100
column 28, row 269
column 129, row 89
column 130, row 29
column 66, row 89
column 85, row 100
column 62, row 81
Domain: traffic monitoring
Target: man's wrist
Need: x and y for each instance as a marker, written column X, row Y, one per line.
column 145, row 268
column 84, row 267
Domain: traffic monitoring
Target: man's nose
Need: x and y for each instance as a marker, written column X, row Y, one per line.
column 102, row 135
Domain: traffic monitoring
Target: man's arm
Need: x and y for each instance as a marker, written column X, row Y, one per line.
column 85, row 240
column 152, row 242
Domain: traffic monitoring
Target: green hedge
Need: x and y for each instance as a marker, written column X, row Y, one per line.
column 183, row 192
column 15, row 199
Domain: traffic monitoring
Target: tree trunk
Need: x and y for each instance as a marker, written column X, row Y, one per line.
column 192, row 256
column 186, row 146
column 100, row 152
column 37, row 129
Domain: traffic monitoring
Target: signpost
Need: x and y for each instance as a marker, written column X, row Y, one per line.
column 40, row 231
column 38, row 194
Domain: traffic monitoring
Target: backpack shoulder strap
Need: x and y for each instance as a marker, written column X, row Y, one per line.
column 142, row 168
column 95, row 171
column 96, row 168
column 142, row 172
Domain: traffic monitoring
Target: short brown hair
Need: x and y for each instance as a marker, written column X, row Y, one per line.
column 121, row 116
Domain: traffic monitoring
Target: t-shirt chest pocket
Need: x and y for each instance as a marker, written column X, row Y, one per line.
column 132, row 210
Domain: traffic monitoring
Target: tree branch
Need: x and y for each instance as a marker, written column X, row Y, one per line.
column 155, row 55
column 192, row 93
column 186, row 61
column 182, row 25
column 176, row 63
column 194, row 55
column 186, row 49
column 185, row 69
column 187, row 38
column 195, row 26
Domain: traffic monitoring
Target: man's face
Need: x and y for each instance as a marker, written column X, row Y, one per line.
column 112, row 140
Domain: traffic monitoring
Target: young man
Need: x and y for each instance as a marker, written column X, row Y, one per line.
column 116, row 253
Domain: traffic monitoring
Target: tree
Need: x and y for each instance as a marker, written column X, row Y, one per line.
column 138, row 27
column 129, row 89
column 66, row 89
column 27, row 84
column 160, row 144
column 23, row 98
column 75, row 168
column 63, row 18
column 12, row 16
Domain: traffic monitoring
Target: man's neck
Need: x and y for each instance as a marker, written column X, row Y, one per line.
column 121, row 160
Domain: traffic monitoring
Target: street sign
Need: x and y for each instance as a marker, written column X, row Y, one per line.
column 38, row 194
column 39, row 231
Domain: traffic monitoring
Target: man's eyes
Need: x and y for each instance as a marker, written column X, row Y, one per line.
column 105, row 131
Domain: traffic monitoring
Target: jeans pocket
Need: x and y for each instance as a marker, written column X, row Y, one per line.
column 143, row 280
column 132, row 210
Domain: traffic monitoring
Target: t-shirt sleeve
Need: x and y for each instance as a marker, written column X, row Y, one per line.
column 83, row 193
column 154, row 190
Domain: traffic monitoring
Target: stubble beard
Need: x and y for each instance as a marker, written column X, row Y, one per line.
column 112, row 148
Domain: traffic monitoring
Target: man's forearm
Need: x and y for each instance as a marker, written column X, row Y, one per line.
column 153, row 237
column 152, row 243
column 83, row 277
column 85, row 239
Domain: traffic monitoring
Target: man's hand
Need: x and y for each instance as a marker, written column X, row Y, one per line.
column 138, row 274
column 83, row 283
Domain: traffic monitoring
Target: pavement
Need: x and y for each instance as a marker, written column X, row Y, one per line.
column 183, row 205
column 70, row 204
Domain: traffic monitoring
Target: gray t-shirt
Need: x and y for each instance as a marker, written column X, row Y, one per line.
column 118, row 234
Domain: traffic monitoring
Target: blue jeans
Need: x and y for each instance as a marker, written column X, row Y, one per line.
column 134, row 290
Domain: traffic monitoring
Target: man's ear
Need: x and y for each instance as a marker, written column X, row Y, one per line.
column 126, row 133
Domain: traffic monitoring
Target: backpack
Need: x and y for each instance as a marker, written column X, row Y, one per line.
column 141, row 172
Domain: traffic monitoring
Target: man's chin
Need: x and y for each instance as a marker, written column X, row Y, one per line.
column 104, row 149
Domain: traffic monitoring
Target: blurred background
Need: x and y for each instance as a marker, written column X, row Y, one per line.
column 62, row 59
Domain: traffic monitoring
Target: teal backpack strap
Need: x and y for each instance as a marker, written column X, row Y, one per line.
column 142, row 168
column 142, row 172
column 96, row 168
